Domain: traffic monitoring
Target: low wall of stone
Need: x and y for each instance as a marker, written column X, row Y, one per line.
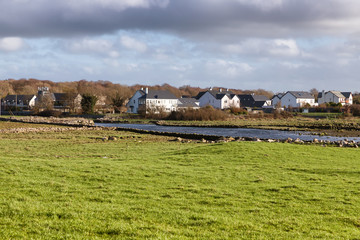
column 77, row 122
column 214, row 139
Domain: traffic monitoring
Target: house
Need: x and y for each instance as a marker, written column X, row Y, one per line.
column 344, row 98
column 23, row 102
column 152, row 100
column 186, row 103
column 67, row 101
column 276, row 100
column 348, row 98
column 218, row 99
column 254, row 101
column 297, row 99
column 133, row 103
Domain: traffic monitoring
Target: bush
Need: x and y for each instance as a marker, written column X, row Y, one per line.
column 207, row 113
column 49, row 113
column 237, row 111
column 355, row 109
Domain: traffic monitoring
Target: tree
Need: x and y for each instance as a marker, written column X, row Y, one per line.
column 315, row 93
column 44, row 103
column 88, row 103
column 118, row 101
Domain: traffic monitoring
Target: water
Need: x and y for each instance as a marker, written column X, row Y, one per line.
column 231, row 132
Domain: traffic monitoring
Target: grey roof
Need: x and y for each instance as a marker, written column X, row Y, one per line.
column 260, row 98
column 338, row 94
column 216, row 94
column 19, row 98
column 279, row 95
column 319, row 95
column 346, row 94
column 301, row 94
column 250, row 100
column 158, row 94
column 64, row 96
column 188, row 102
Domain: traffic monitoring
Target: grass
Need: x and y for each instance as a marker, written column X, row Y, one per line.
column 73, row 185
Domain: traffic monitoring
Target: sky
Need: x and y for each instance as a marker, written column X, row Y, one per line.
column 276, row 45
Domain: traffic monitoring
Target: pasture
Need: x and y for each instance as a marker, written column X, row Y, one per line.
column 74, row 185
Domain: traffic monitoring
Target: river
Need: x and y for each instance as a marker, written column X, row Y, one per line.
column 230, row 132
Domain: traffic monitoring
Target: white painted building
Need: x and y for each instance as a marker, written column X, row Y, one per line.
column 18, row 101
column 133, row 103
column 152, row 100
column 218, row 99
column 345, row 98
column 297, row 99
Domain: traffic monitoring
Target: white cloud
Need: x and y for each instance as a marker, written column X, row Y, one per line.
column 10, row 44
column 285, row 47
column 90, row 45
column 133, row 44
column 228, row 68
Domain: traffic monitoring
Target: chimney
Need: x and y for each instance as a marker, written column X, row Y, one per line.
column 146, row 90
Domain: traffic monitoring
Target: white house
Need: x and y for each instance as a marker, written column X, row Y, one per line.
column 186, row 103
column 133, row 103
column 152, row 100
column 345, row 98
column 218, row 99
column 297, row 99
column 18, row 101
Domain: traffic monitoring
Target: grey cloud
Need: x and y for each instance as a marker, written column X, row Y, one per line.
column 205, row 19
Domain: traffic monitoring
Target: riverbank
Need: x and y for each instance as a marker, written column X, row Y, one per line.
column 341, row 127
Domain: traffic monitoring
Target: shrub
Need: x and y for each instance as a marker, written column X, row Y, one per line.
column 207, row 113
column 49, row 113
column 355, row 109
column 237, row 111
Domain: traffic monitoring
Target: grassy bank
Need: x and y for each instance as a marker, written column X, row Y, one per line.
column 75, row 185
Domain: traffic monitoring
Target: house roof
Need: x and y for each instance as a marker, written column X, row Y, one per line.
column 188, row 102
column 19, row 98
column 279, row 95
column 346, row 94
column 217, row 94
column 301, row 94
column 337, row 94
column 250, row 100
column 319, row 95
column 158, row 94
column 260, row 98
column 64, row 96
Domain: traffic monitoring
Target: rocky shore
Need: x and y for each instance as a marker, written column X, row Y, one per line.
column 52, row 120
column 186, row 137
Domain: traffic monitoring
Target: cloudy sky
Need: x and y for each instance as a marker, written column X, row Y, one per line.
column 246, row 44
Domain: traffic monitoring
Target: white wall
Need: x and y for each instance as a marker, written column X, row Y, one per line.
column 166, row 105
column 209, row 99
column 289, row 100
column 133, row 104
column 330, row 97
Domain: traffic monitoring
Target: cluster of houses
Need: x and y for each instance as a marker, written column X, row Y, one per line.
column 161, row 100
column 165, row 101
column 61, row 101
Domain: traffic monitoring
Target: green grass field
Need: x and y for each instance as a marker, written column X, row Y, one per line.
column 73, row 185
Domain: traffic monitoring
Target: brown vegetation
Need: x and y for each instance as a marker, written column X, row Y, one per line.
column 113, row 91
column 203, row 114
